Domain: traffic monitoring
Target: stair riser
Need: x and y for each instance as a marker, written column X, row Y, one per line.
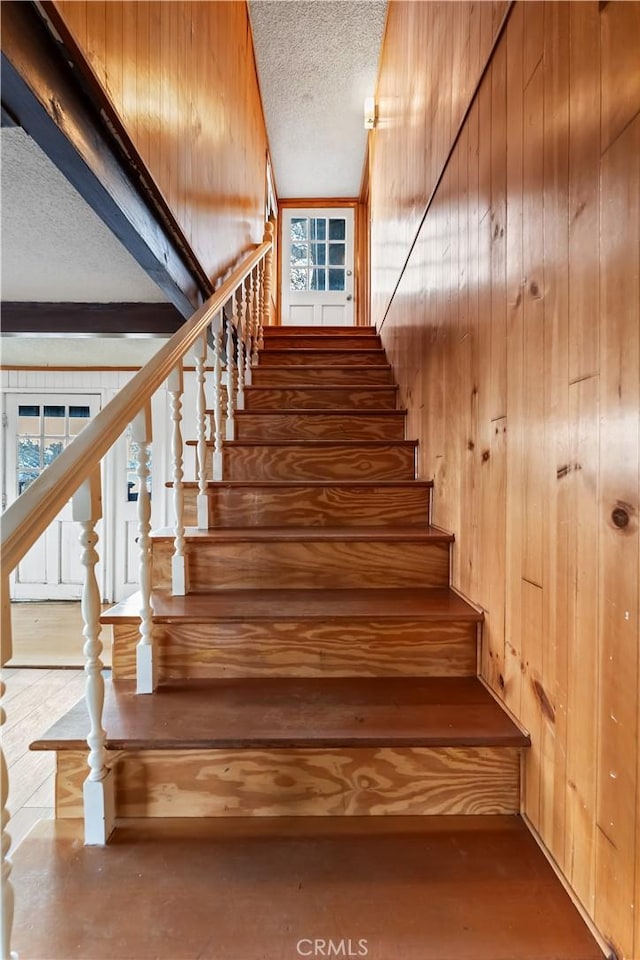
column 314, row 358
column 312, row 506
column 390, row 462
column 324, row 426
column 350, row 376
column 301, row 342
column 301, row 782
column 313, row 564
column 306, row 398
column 342, row 647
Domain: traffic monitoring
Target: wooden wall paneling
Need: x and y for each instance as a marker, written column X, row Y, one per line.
column 422, row 41
column 97, row 37
column 114, row 51
column 584, row 187
column 515, row 360
column 460, row 413
column 157, row 68
column 130, row 27
column 493, row 631
column 533, row 267
column 534, row 37
column 143, row 117
column 498, row 203
column 75, row 15
column 556, row 421
column 620, row 41
column 469, row 564
column 582, row 636
column 187, row 91
column 617, row 796
column 533, row 701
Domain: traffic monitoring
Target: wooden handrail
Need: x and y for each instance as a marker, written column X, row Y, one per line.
column 30, row 515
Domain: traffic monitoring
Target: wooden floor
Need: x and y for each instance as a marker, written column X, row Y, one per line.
column 413, row 888
column 33, row 698
column 48, row 634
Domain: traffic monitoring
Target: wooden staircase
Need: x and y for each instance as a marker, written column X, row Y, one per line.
column 321, row 666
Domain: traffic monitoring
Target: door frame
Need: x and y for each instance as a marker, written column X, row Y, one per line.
column 318, row 203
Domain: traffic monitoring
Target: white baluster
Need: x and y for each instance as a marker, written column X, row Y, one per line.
column 232, row 325
column 146, row 661
column 8, row 898
column 216, row 330
column 240, row 365
column 246, row 314
column 202, row 502
column 255, row 317
column 175, row 386
column 99, row 802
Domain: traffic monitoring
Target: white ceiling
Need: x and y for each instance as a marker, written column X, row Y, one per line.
column 54, row 247
column 317, row 61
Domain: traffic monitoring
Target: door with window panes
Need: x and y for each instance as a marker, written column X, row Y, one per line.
column 38, row 428
column 317, row 266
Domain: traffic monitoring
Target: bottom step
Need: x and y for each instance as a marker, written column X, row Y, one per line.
column 448, row 888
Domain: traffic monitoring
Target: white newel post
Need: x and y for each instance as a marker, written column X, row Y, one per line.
column 232, row 325
column 216, row 331
column 246, row 325
column 202, row 501
column 267, row 282
column 6, row 916
column 175, row 386
column 99, row 801
column 146, row 661
column 255, row 315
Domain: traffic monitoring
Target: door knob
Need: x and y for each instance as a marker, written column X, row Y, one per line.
column 349, row 297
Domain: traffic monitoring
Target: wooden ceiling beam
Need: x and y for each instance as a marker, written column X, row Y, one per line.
column 90, row 319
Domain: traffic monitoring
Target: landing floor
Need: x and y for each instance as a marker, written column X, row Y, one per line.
column 413, row 888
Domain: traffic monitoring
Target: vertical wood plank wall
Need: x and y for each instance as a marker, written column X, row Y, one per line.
column 182, row 77
column 514, row 334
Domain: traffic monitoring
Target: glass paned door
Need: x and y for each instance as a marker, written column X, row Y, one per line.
column 39, row 427
column 317, row 266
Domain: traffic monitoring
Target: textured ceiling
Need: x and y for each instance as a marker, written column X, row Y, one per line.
column 77, row 351
column 54, row 247
column 317, row 61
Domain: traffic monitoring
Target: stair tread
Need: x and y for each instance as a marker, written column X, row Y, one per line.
column 425, row 603
column 420, row 888
column 330, row 412
column 327, row 350
column 310, row 385
column 320, row 366
column 293, row 329
column 416, row 533
column 296, row 484
column 318, row 444
column 295, row 712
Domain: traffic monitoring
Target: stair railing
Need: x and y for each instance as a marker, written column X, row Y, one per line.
column 75, row 475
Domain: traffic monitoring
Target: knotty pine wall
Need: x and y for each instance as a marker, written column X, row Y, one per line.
column 182, row 77
column 514, row 335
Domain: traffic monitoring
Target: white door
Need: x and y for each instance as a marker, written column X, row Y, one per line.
column 317, row 266
column 38, row 428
